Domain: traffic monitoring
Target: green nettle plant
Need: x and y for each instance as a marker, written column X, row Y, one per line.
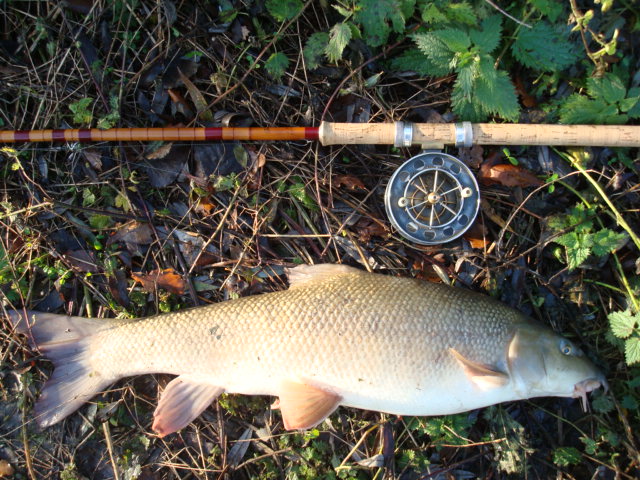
column 470, row 41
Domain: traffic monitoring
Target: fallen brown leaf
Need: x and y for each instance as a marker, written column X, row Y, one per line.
column 82, row 260
column 133, row 232
column 348, row 181
column 507, row 175
column 167, row 279
column 477, row 235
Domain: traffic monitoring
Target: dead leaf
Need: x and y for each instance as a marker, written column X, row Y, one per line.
column 118, row 288
column 164, row 171
column 508, row 175
column 368, row 227
column 82, row 260
column 160, row 152
column 197, row 98
column 180, row 104
column 528, row 100
column 94, row 157
column 477, row 235
column 133, row 232
column 348, row 181
column 167, row 279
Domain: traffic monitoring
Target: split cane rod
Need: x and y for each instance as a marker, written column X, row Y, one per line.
column 400, row 134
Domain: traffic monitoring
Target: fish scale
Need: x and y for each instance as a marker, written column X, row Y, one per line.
column 338, row 336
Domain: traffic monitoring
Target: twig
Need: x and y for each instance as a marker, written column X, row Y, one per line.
column 519, row 22
column 107, row 436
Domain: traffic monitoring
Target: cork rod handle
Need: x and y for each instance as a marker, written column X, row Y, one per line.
column 481, row 134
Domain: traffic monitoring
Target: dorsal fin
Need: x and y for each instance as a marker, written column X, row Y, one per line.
column 306, row 274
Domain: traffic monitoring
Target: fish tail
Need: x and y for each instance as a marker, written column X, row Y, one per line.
column 69, row 343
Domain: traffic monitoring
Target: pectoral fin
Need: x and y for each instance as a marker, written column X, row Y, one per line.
column 181, row 402
column 304, row 406
column 484, row 377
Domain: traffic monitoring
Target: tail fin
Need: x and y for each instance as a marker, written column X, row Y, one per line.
column 69, row 343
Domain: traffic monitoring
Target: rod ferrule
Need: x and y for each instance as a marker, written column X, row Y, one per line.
column 404, row 134
column 464, row 134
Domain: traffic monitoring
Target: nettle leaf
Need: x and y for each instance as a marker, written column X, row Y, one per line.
column 487, row 70
column 609, row 88
column 379, row 17
column 339, row 37
column 455, row 40
column 461, row 12
column 578, row 248
column 436, row 51
column 543, row 48
column 465, row 107
column 432, row 14
column 488, row 38
column 632, row 350
column 622, row 323
column 283, row 10
column 498, row 96
column 579, row 109
column 413, row 60
column 276, row 65
column 466, row 80
column 314, row 49
column 606, row 241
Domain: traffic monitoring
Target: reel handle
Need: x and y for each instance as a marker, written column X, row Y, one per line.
column 467, row 134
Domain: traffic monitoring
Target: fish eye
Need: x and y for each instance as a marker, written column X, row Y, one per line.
column 566, row 348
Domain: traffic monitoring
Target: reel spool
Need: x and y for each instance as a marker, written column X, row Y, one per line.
column 432, row 198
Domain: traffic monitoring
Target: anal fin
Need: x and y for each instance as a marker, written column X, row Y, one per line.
column 181, row 402
column 483, row 376
column 304, row 406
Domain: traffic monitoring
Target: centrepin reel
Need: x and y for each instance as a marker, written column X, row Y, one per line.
column 432, row 198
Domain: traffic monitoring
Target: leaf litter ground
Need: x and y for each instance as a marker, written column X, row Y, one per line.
column 137, row 230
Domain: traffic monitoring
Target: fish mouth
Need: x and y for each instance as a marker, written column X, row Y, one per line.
column 581, row 389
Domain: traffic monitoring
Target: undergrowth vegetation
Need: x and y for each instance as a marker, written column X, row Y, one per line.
column 130, row 230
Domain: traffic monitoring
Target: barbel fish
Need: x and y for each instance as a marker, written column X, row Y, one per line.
column 337, row 336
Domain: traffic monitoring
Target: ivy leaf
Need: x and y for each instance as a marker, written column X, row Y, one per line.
column 606, row 241
column 100, row 222
column 339, row 38
column 488, row 38
column 566, row 456
column 283, row 10
column 632, row 350
column 413, row 60
column 315, row 48
column 543, row 48
column 609, row 88
column 499, row 96
column 379, row 17
column 622, row 323
column 276, row 65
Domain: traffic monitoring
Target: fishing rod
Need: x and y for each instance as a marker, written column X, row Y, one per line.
column 400, row 134
column 431, row 198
